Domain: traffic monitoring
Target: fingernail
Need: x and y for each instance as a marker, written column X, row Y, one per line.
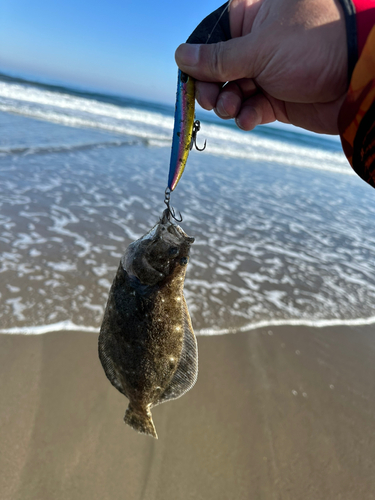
column 238, row 124
column 188, row 54
column 220, row 110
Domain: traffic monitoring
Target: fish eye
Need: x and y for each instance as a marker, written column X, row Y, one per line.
column 173, row 251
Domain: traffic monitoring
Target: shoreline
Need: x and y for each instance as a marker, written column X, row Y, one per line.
column 69, row 326
column 282, row 413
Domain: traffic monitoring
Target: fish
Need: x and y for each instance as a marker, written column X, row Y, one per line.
column 147, row 345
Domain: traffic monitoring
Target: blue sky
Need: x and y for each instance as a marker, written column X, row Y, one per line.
column 125, row 46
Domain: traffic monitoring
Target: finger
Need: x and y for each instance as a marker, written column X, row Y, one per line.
column 219, row 62
column 255, row 111
column 247, row 86
column 229, row 101
column 207, row 94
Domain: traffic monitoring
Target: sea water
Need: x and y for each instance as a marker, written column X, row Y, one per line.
column 284, row 229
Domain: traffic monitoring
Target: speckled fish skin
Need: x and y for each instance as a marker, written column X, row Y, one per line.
column 146, row 344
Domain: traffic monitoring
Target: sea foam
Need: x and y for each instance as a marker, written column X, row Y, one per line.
column 156, row 128
column 70, row 326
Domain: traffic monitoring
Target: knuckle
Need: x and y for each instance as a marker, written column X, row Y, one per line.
column 216, row 63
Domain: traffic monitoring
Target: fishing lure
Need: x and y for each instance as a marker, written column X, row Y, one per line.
column 214, row 28
column 185, row 128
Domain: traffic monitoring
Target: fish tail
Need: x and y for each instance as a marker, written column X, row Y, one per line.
column 141, row 420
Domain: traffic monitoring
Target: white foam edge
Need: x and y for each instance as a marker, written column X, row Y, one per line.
column 314, row 323
column 54, row 327
column 317, row 323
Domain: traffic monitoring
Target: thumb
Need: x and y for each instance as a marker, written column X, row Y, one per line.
column 218, row 62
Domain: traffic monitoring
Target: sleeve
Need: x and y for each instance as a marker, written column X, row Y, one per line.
column 356, row 120
column 214, row 28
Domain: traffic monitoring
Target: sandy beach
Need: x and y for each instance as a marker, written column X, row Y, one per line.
column 281, row 413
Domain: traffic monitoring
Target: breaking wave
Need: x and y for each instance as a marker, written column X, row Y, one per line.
column 155, row 126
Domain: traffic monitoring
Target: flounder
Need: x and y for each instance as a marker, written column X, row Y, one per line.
column 147, row 346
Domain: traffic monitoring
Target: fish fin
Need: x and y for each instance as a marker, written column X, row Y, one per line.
column 186, row 373
column 107, row 349
column 140, row 420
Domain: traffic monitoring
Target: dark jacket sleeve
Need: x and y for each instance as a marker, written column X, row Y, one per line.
column 357, row 115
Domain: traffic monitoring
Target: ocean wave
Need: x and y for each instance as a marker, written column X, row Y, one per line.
column 23, row 93
column 63, row 148
column 312, row 323
column 156, row 128
column 84, row 122
column 66, row 326
column 223, row 141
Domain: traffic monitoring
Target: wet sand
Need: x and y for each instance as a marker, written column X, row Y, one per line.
column 286, row 413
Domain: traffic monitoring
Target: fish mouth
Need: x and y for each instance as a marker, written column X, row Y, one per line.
column 165, row 218
column 173, row 229
column 178, row 232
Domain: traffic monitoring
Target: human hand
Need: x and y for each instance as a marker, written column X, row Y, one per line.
column 287, row 61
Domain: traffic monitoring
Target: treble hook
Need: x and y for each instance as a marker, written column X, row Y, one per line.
column 196, row 129
column 170, row 210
